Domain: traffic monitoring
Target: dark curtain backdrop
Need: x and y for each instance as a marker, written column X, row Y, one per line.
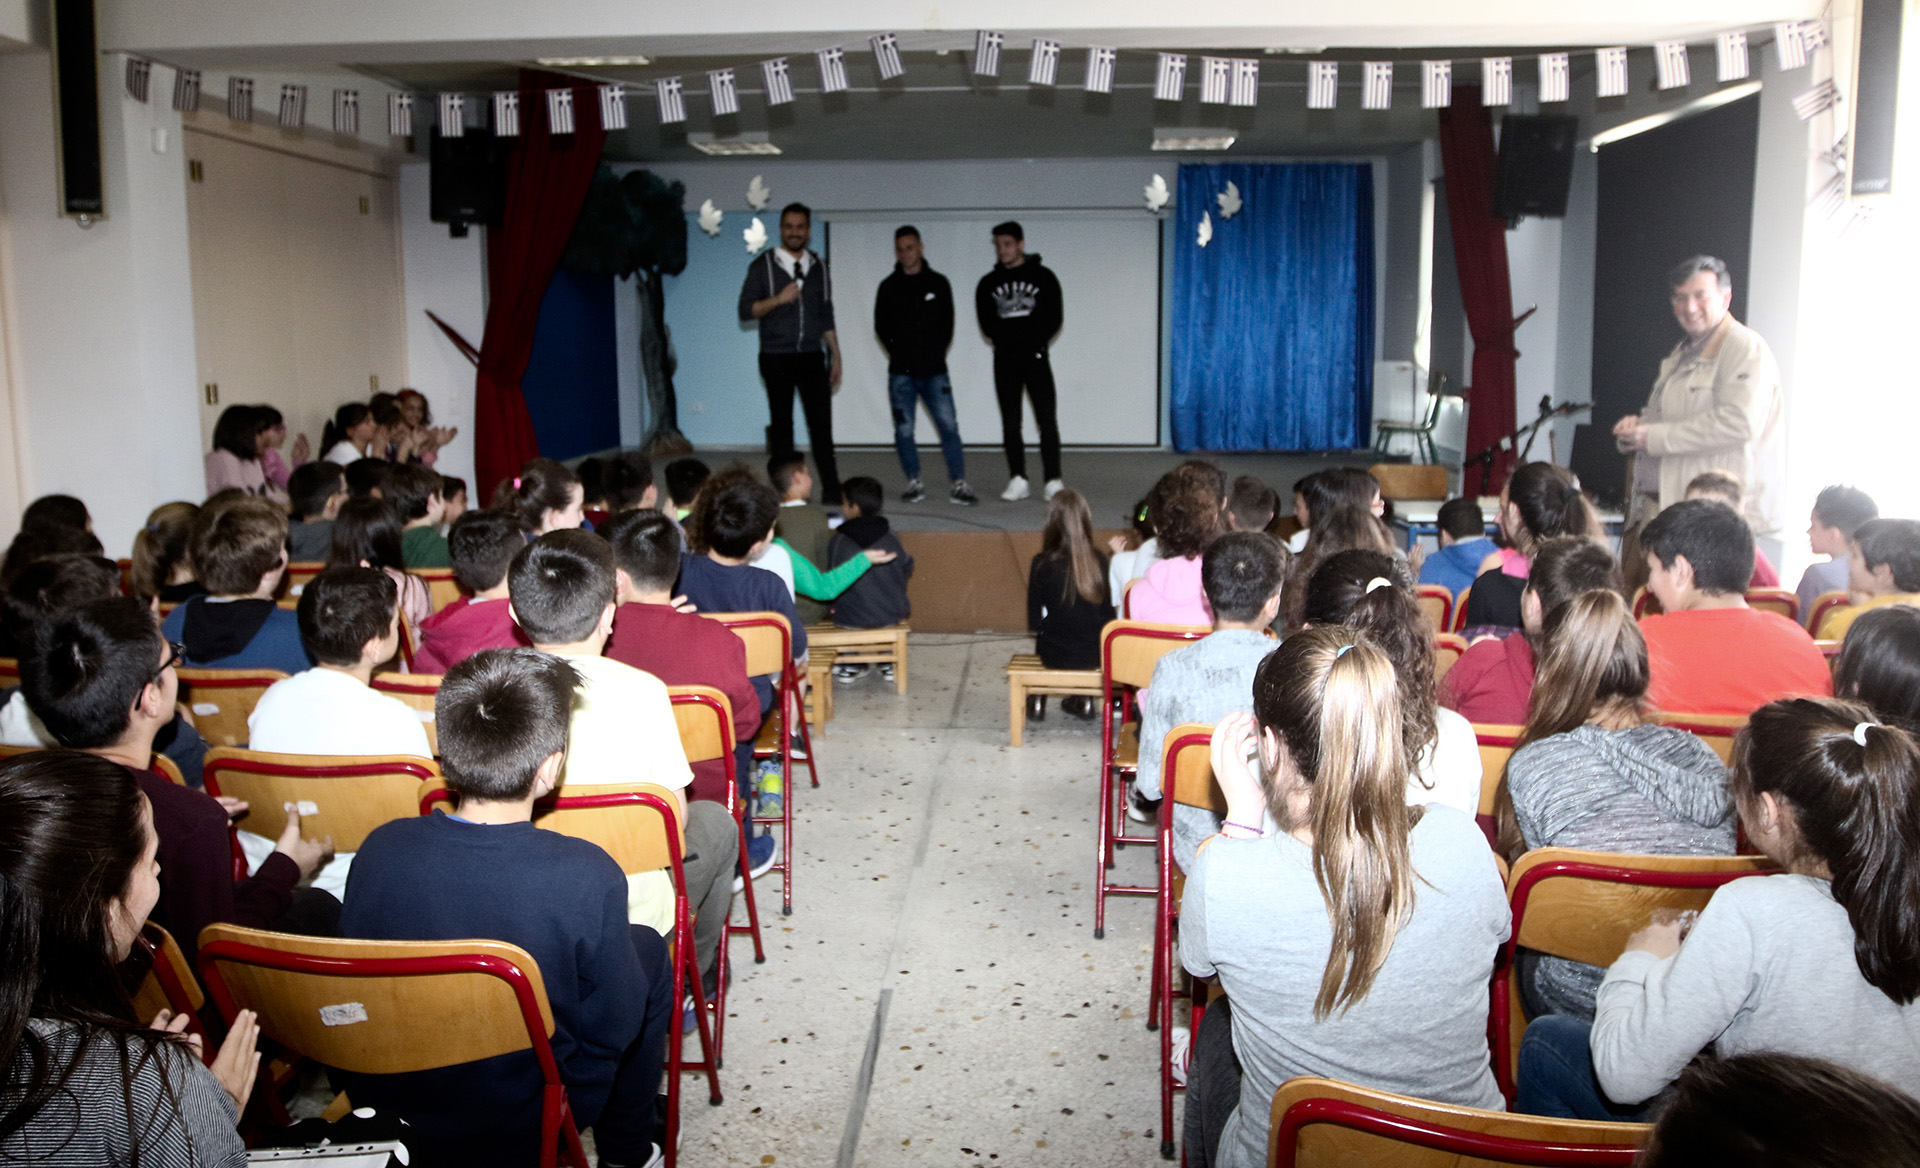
column 547, row 180
column 572, row 382
column 1272, row 321
column 1471, row 164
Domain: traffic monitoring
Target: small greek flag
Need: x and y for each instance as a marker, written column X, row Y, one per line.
column 1099, row 70
column 1670, row 60
column 1246, row 82
column 1730, row 51
column 666, row 90
column 986, row 53
column 833, row 69
column 1323, row 84
column 779, row 81
column 506, row 114
column 1377, row 94
column 400, row 115
column 139, row 76
column 1554, row 80
column 1813, row 33
column 453, row 115
column 240, row 98
column 886, row 55
column 1790, row 44
column 1170, row 80
column 1436, row 84
column 1496, row 81
column 293, row 106
column 186, row 89
column 1610, row 72
column 1817, row 100
column 1045, row 63
column 560, row 111
column 346, row 111
column 613, row 104
column 726, row 98
column 1215, row 75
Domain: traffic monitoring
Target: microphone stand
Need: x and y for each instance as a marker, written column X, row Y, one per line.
column 1548, row 412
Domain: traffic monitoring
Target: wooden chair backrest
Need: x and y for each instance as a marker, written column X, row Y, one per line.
column 1126, row 598
column 442, row 587
column 349, row 795
column 299, row 572
column 392, row 1009
column 1460, row 609
column 1583, row 905
column 1187, row 775
column 171, row 984
column 417, row 691
column 1130, row 649
column 1448, row 648
column 1403, row 480
column 1496, row 746
column 1716, row 730
column 1436, row 604
column 705, row 718
column 633, row 833
column 126, row 576
column 223, row 699
column 768, row 648
column 1824, row 606
column 1780, row 600
column 1645, row 603
column 1320, row 1123
column 161, row 765
column 9, row 671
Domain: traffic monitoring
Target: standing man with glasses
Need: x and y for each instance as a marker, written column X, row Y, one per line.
column 913, row 316
column 789, row 292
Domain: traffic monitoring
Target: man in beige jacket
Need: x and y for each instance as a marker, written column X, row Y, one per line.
column 1716, row 405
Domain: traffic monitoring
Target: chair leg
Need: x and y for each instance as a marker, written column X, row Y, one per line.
column 1016, row 712
column 900, row 664
column 709, row 1045
column 675, row 1055
column 1101, row 856
column 806, row 739
column 752, row 927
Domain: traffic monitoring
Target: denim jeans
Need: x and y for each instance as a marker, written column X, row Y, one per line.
column 1556, row 1075
column 937, row 392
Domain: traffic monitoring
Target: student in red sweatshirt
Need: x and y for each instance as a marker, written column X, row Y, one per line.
column 482, row 544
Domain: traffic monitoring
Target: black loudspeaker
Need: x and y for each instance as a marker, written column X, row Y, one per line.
column 1536, row 166
column 467, row 179
column 1598, row 463
column 76, row 109
column 1876, row 94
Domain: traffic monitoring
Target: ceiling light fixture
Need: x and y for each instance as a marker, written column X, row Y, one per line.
column 592, row 62
column 752, row 142
column 1701, row 105
column 1191, row 138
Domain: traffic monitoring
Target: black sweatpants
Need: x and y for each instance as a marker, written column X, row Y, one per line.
column 1015, row 370
column 806, row 373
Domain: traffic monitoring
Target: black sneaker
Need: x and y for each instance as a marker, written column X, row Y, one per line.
column 916, row 492
column 962, row 495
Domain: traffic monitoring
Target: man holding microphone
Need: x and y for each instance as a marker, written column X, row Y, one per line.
column 789, row 292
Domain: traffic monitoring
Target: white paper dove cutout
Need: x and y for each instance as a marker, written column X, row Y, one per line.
column 758, row 196
column 710, row 217
column 1157, row 193
column 1229, row 201
column 1206, row 228
column 756, row 236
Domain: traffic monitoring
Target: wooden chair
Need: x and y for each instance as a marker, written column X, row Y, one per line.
column 1321, row 1123
column 223, row 699
column 1448, row 648
column 769, row 642
column 1825, row 605
column 1128, row 652
column 1404, row 480
column 886, row 646
column 417, row 691
column 298, row 573
column 170, row 985
column 705, row 719
column 1026, row 676
column 1780, row 600
column 416, row 1005
column 442, row 587
column 1645, row 603
column 1583, row 905
column 1716, row 730
column 1126, row 598
column 160, row 764
column 1497, row 744
column 9, row 671
column 345, row 796
column 1186, row 777
column 126, row 576
column 1460, row 610
column 820, row 663
column 1436, row 604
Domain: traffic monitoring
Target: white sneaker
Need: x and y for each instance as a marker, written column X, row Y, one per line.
column 1182, row 1053
column 1054, row 487
column 1017, row 489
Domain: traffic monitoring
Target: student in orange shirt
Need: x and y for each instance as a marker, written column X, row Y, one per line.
column 1707, row 652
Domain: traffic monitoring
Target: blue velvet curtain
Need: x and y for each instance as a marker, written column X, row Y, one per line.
column 1272, row 321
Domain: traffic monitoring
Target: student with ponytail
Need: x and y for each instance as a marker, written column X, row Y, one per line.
column 348, row 436
column 1353, row 935
column 1821, row 960
column 1592, row 772
column 546, row 496
column 1541, row 501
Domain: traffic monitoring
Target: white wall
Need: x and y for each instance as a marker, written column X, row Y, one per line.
column 1533, row 266
column 448, row 277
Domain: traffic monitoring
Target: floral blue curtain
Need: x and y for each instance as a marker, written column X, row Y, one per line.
column 1272, row 320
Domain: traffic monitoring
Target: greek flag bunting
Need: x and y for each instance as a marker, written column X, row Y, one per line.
column 1044, row 65
column 779, row 79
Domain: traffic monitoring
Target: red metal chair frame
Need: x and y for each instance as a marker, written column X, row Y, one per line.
column 1459, row 621
column 1444, row 595
column 179, row 999
column 556, row 1113
column 752, row 927
column 1504, row 1149
column 1823, row 606
column 1501, row 1026
column 1488, row 782
column 786, row 696
column 211, row 778
column 10, row 670
column 1160, row 1005
column 1113, row 816
column 1784, row 596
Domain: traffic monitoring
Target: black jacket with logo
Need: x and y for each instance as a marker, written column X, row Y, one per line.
column 1019, row 307
column 913, row 316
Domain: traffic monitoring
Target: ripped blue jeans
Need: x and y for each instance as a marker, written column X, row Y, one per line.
column 937, row 392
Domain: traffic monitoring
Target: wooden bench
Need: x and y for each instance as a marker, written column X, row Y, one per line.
column 886, row 646
column 1026, row 676
column 820, row 663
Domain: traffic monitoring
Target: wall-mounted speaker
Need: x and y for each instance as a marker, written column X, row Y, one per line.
column 1876, row 95
column 76, row 110
column 467, row 178
column 1536, row 166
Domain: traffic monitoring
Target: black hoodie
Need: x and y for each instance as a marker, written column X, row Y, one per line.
column 913, row 316
column 879, row 597
column 1019, row 307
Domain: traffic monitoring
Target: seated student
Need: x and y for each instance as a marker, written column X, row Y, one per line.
column 1344, row 528
column 1592, row 772
column 1707, row 652
column 1879, row 665
column 365, row 476
column 486, row 871
column 50, row 526
column 1250, row 505
column 239, row 553
column 681, row 648
column 1302, row 512
column 350, row 623
column 1067, row 600
column 802, row 523
column 272, row 436
column 102, row 680
column 43, row 590
column 1353, row 935
column 564, row 588
column 348, row 435
column 593, row 490
column 454, row 490
column 1129, row 564
column 1493, row 680
column 234, row 462
column 316, row 489
column 1540, row 501
column 1837, row 513
column 546, row 497
column 1213, row 677
column 684, row 476
column 1187, row 523
column 733, row 527
column 1372, row 593
column 1723, row 486
column 798, row 574
column 1463, row 546
column 879, row 597
column 414, row 492
column 162, row 569
column 1821, row 959
column 366, row 534
column 1781, row 1109
column 482, row 545
column 1883, row 566
column 87, row 1082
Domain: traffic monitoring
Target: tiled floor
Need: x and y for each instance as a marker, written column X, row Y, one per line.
column 937, row 996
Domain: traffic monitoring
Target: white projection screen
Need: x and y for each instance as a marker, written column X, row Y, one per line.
column 1106, row 358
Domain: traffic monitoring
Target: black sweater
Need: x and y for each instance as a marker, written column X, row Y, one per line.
column 1019, row 308
column 913, row 316
column 1068, row 631
column 879, row 597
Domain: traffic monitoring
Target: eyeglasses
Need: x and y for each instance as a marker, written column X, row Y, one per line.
column 176, row 653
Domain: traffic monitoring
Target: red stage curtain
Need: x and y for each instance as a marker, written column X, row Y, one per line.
column 547, row 181
column 1480, row 254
